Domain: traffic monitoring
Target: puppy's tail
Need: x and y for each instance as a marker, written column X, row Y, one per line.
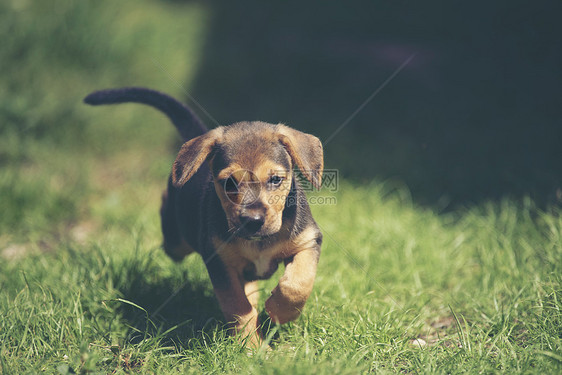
column 188, row 124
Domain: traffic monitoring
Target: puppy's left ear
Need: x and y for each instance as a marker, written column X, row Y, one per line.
column 306, row 152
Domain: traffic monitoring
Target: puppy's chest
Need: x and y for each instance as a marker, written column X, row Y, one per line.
column 260, row 263
column 252, row 260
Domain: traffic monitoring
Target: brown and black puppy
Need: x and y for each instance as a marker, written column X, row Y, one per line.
column 233, row 197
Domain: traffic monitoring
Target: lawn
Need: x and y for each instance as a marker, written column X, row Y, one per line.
column 85, row 287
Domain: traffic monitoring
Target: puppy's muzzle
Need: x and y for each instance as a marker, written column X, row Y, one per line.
column 251, row 221
column 251, row 224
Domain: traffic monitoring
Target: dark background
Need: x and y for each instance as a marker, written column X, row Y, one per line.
column 474, row 116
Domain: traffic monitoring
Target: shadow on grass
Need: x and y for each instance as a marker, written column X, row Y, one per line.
column 152, row 310
column 159, row 307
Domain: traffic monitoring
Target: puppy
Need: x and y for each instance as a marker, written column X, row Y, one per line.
column 233, row 198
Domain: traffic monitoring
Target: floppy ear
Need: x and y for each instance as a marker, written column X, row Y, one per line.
column 306, row 152
column 192, row 154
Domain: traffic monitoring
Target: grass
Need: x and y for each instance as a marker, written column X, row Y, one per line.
column 85, row 288
column 481, row 288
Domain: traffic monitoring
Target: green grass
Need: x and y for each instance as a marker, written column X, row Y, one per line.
column 480, row 287
column 85, row 287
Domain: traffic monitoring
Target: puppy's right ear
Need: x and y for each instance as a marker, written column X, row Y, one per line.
column 192, row 154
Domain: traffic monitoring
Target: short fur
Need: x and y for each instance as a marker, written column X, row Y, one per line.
column 233, row 198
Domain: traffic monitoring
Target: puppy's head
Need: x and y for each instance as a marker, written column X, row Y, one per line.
column 252, row 165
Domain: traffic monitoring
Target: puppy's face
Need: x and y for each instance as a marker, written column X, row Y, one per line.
column 252, row 167
column 252, row 180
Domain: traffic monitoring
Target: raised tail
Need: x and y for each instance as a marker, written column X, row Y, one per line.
column 188, row 124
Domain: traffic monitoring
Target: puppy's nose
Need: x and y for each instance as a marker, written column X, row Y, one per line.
column 251, row 223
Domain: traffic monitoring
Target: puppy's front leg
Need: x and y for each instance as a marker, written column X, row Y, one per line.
column 231, row 294
column 289, row 296
column 252, row 292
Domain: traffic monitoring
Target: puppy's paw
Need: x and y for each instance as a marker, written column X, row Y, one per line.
column 282, row 308
column 250, row 338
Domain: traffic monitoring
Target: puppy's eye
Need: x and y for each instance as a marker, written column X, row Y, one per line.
column 230, row 185
column 275, row 180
